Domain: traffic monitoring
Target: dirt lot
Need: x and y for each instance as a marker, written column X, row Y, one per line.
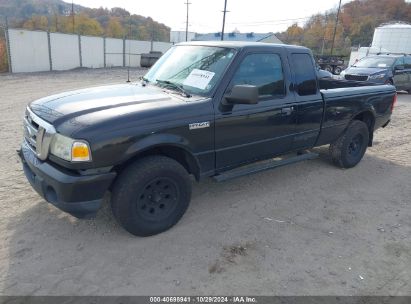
column 305, row 229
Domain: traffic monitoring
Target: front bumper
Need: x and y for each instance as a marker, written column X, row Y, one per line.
column 76, row 194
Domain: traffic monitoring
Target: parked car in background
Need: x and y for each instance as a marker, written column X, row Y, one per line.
column 392, row 69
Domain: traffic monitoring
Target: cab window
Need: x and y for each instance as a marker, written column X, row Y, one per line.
column 261, row 70
column 305, row 76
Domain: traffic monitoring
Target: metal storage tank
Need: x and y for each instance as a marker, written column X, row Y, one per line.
column 393, row 37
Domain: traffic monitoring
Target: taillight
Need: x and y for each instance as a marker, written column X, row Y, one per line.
column 394, row 101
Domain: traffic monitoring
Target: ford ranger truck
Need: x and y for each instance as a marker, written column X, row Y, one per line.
column 205, row 109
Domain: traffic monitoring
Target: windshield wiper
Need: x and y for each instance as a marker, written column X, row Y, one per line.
column 174, row 85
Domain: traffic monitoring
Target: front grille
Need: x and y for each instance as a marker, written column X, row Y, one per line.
column 30, row 131
column 37, row 134
column 356, row 77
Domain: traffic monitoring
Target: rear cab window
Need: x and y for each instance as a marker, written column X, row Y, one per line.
column 304, row 73
column 407, row 62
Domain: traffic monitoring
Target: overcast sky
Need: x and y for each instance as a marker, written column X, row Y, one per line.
column 206, row 16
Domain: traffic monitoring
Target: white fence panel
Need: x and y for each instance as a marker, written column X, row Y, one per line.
column 64, row 51
column 114, row 52
column 161, row 46
column 92, row 52
column 32, row 51
column 28, row 51
column 135, row 48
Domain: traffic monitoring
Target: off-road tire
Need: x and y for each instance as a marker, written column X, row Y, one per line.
column 348, row 150
column 151, row 195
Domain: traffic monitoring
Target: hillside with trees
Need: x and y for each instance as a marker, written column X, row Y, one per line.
column 356, row 25
column 56, row 16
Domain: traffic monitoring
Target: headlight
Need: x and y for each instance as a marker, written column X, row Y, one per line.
column 378, row 76
column 70, row 149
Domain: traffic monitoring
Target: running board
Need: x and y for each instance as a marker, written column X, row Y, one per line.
column 263, row 166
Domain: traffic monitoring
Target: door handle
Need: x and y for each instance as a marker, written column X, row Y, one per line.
column 287, row 111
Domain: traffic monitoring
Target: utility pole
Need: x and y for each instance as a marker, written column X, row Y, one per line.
column 325, row 33
column 335, row 28
column 72, row 13
column 187, row 3
column 152, row 36
column 224, row 12
column 6, row 33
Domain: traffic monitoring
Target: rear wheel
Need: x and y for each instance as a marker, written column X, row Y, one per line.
column 151, row 195
column 350, row 147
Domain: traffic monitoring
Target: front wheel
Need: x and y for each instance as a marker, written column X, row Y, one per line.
column 151, row 195
column 350, row 147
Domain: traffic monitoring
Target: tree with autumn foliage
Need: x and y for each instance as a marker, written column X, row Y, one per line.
column 56, row 16
column 36, row 23
column 114, row 28
column 3, row 56
column 357, row 22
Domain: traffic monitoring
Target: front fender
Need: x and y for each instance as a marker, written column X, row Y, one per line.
column 156, row 140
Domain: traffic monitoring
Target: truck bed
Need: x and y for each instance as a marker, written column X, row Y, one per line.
column 343, row 102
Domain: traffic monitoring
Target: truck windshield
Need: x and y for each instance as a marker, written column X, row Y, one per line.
column 375, row 62
column 195, row 69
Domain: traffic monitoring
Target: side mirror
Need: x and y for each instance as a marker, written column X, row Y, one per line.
column 399, row 68
column 242, row 94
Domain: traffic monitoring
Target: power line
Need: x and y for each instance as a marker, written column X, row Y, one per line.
column 271, row 21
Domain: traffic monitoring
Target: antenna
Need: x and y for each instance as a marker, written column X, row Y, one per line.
column 188, row 3
column 129, row 47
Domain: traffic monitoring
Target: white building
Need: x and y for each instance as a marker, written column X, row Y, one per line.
column 180, row 36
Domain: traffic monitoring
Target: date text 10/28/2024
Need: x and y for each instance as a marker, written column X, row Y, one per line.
column 203, row 299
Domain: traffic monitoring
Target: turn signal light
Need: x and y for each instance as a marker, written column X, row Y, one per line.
column 80, row 152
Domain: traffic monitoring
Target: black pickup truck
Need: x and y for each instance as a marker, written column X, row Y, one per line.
column 207, row 109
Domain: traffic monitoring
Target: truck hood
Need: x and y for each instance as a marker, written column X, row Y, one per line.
column 66, row 106
column 365, row 71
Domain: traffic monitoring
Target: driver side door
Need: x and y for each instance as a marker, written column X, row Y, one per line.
column 249, row 132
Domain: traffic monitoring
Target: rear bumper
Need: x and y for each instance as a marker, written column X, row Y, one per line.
column 78, row 195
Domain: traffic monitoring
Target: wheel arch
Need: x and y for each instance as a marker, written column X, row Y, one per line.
column 368, row 117
column 172, row 146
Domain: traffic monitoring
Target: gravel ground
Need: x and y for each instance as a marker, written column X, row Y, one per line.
column 305, row 229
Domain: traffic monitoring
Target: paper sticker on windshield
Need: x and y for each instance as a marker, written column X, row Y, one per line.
column 382, row 65
column 199, row 79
